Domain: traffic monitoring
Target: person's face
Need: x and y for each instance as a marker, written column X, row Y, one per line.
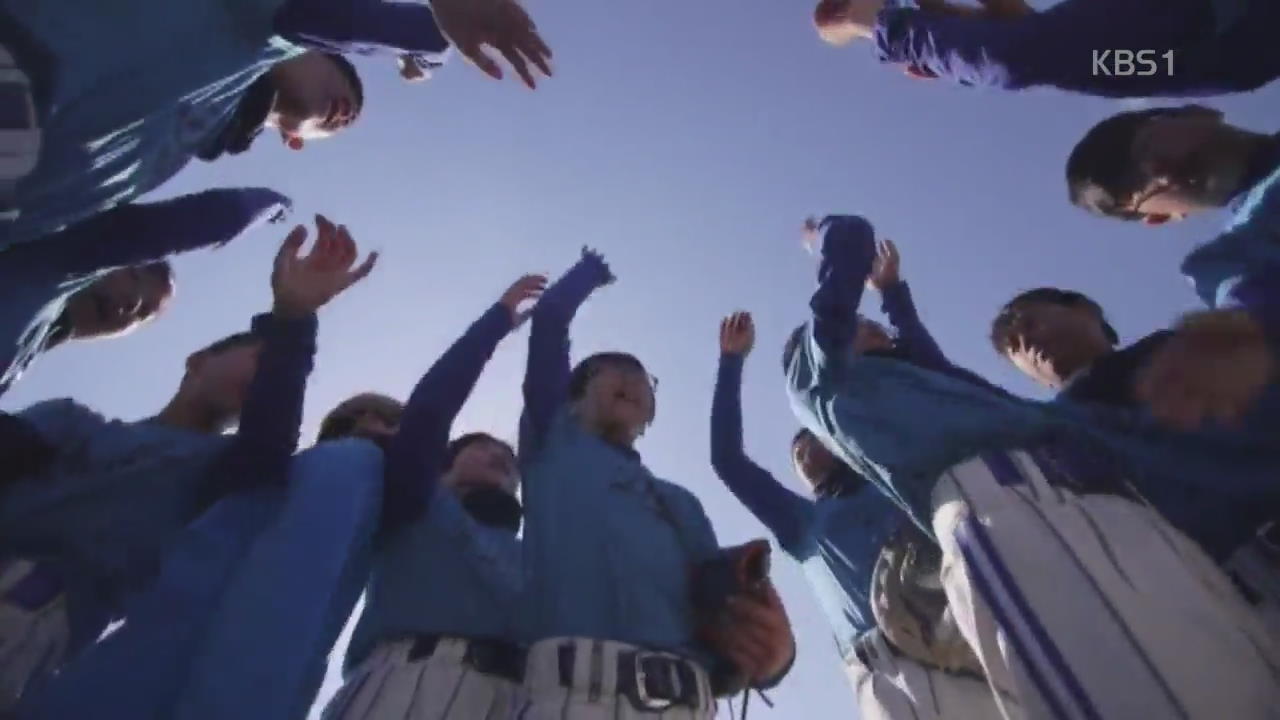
column 118, row 302
column 220, row 380
column 1049, row 342
column 871, row 336
column 618, row 401
column 314, row 99
column 483, row 464
column 1189, row 162
column 812, row 460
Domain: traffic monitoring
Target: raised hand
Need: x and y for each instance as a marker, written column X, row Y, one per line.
column 302, row 285
column 840, row 22
column 737, row 334
column 409, row 69
column 525, row 289
column 1213, row 368
column 884, row 269
column 502, row 25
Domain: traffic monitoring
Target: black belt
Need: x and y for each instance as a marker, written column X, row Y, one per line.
column 484, row 655
column 652, row 682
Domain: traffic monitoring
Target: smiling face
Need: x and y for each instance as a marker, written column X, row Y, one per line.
column 119, row 301
column 616, row 398
column 316, row 97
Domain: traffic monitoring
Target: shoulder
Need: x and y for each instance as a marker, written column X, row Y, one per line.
column 61, row 412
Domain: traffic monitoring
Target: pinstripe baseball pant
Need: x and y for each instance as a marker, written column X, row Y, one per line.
column 891, row 686
column 390, row 686
column 1093, row 607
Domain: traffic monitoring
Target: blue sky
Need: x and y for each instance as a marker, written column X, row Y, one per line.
column 687, row 141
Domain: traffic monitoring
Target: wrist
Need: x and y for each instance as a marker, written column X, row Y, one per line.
column 287, row 310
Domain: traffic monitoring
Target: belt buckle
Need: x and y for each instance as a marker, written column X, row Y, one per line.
column 642, row 690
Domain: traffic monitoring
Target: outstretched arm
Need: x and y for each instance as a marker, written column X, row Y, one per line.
column 272, row 412
column 782, row 511
column 416, row 456
column 143, row 232
column 546, row 381
column 914, row 339
column 363, row 26
column 848, row 251
column 1058, row 47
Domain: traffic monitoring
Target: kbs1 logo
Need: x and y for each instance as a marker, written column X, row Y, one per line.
column 1129, row 63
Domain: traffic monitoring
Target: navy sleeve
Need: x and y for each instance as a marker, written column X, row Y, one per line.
column 23, row 450
column 913, row 336
column 1055, row 47
column 546, row 381
column 362, row 26
column 916, row 340
column 416, row 455
column 785, row 513
column 848, row 251
column 142, row 232
column 272, row 414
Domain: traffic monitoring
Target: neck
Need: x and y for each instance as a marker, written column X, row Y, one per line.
column 182, row 413
column 618, row 436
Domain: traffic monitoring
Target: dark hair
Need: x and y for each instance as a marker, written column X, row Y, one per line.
column 1002, row 326
column 790, row 347
column 161, row 269
column 589, row 366
column 1102, row 172
column 348, row 70
column 801, row 434
column 462, row 442
column 229, row 342
column 340, row 421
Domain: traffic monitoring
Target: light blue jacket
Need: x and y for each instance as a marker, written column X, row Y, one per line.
column 118, row 123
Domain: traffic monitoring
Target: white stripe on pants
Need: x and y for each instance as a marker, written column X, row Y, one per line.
column 895, row 687
column 548, row 699
column 1093, row 607
column 32, row 641
column 387, row 686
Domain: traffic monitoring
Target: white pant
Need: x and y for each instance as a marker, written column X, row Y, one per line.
column 388, row 686
column 891, row 686
column 1257, row 568
column 33, row 640
column 548, row 699
column 1093, row 606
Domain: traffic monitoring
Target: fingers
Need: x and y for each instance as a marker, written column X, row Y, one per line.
column 518, row 63
column 345, row 251
column 363, row 271
column 471, row 51
column 291, row 246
